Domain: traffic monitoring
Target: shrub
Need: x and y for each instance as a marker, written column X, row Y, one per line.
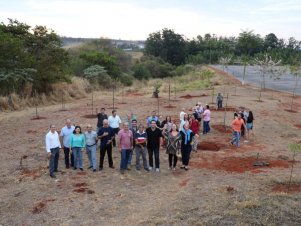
column 126, row 79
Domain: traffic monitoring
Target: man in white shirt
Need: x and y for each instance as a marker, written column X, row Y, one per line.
column 66, row 133
column 114, row 122
column 53, row 146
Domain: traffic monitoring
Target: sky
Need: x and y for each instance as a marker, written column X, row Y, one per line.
column 136, row 19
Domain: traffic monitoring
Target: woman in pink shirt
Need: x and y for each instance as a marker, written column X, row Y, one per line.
column 206, row 120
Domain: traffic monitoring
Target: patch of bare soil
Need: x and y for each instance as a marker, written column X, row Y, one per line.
column 287, row 188
column 89, row 116
column 209, row 146
column 225, row 108
column 38, row 118
column 41, row 206
column 222, row 128
column 169, row 106
column 188, row 96
column 291, row 111
column 133, row 94
column 298, row 126
column 236, row 164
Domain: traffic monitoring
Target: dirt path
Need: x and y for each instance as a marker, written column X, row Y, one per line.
column 222, row 187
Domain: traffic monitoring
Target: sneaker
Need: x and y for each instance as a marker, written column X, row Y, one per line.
column 100, row 168
column 52, row 175
column 128, row 169
column 90, row 167
column 112, row 167
column 186, row 168
column 75, row 168
column 169, row 167
column 122, row 171
column 157, row 170
column 94, row 170
column 150, row 168
column 146, row 169
column 174, row 169
column 138, row 169
column 182, row 167
column 81, row 169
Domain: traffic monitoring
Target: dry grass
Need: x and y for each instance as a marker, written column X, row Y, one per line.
column 77, row 89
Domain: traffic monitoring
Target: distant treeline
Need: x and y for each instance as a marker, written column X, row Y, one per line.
column 176, row 50
column 32, row 59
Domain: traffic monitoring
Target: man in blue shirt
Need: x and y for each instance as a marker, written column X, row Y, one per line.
column 151, row 118
column 106, row 135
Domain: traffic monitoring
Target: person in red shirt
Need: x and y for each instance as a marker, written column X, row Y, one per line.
column 194, row 124
column 237, row 123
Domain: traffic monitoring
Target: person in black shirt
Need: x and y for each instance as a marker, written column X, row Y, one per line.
column 154, row 140
column 100, row 117
column 106, row 134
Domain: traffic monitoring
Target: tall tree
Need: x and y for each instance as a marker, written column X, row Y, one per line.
column 249, row 44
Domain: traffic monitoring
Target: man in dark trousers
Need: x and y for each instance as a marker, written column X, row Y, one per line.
column 154, row 140
column 101, row 115
column 106, row 135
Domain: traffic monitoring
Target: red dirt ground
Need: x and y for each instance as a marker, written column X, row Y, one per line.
column 293, row 188
column 188, row 96
column 223, row 109
column 209, row 146
column 222, row 128
column 291, row 111
column 235, row 164
column 298, row 126
column 89, row 116
column 80, row 185
column 133, row 94
column 184, row 182
column 169, row 106
column 80, row 190
column 34, row 173
column 38, row 118
column 41, row 206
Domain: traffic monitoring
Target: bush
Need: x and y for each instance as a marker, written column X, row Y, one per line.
column 141, row 72
column 126, row 79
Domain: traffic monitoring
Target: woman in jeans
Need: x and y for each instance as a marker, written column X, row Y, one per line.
column 77, row 144
column 173, row 138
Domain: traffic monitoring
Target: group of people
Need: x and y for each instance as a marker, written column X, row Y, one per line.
column 242, row 123
column 129, row 137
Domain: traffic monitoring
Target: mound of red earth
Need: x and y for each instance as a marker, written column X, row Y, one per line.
column 89, row 116
column 209, row 146
column 40, row 206
column 188, row 96
column 224, row 108
column 38, row 118
column 169, row 106
column 133, row 94
column 286, row 188
column 222, row 128
column 235, row 164
column 291, row 111
column 34, row 173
